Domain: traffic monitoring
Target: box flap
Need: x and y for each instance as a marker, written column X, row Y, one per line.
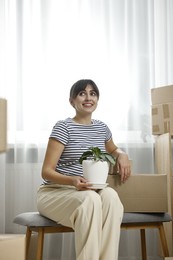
column 162, row 95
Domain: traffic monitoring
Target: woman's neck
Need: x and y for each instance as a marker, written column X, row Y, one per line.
column 82, row 120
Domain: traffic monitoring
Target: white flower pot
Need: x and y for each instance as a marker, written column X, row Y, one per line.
column 95, row 171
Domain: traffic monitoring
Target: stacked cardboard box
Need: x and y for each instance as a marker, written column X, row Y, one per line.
column 162, row 110
column 162, row 122
column 3, row 125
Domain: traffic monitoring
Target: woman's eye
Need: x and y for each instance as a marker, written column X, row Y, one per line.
column 82, row 93
column 93, row 93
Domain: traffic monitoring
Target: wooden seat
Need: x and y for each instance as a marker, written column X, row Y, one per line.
column 42, row 225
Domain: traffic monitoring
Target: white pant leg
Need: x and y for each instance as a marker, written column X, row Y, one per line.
column 87, row 221
column 81, row 210
column 112, row 218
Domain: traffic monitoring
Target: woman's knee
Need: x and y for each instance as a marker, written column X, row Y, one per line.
column 109, row 193
column 90, row 206
column 93, row 198
column 110, row 196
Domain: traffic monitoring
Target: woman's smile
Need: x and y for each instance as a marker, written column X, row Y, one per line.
column 86, row 100
column 87, row 104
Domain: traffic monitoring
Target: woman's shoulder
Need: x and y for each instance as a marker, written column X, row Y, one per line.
column 60, row 124
column 63, row 121
column 101, row 125
column 98, row 122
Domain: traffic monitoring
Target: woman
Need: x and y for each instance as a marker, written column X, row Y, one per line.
column 65, row 196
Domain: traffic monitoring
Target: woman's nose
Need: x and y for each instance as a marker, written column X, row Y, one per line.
column 88, row 96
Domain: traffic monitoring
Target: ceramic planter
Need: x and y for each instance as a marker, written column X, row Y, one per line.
column 95, row 171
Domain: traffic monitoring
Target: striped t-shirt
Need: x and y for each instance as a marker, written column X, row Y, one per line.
column 77, row 138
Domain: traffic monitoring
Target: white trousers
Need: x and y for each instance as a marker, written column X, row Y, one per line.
column 95, row 217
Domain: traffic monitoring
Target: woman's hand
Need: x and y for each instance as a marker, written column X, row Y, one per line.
column 123, row 166
column 80, row 183
column 122, row 160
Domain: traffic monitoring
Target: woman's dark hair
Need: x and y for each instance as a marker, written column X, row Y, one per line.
column 80, row 85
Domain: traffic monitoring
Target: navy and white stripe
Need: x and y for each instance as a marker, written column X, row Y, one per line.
column 77, row 138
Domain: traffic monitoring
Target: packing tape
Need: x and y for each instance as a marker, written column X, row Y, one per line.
column 165, row 110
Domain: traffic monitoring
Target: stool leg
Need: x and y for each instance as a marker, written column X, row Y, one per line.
column 143, row 244
column 40, row 243
column 163, row 240
column 28, row 238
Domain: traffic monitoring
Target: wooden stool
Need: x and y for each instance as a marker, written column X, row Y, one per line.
column 141, row 221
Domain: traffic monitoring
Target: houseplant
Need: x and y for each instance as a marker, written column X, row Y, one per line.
column 96, row 165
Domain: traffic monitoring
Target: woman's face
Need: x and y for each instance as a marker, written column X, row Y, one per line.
column 86, row 101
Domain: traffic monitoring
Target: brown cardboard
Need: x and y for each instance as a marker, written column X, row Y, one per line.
column 162, row 118
column 162, row 95
column 12, row 247
column 3, row 125
column 142, row 192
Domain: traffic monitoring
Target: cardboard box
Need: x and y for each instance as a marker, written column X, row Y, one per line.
column 162, row 118
column 12, row 247
column 3, row 125
column 168, row 258
column 162, row 110
column 162, row 95
column 142, row 192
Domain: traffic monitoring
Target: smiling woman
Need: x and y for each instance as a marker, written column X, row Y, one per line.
column 72, row 201
column 124, row 46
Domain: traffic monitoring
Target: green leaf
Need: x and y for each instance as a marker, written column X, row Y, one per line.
column 85, row 155
column 97, row 155
column 110, row 158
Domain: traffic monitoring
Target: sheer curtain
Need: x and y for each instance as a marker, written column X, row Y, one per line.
column 125, row 46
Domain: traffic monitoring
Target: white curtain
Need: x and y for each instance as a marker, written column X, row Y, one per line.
column 125, row 46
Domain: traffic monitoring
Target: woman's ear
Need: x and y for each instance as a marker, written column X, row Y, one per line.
column 71, row 102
